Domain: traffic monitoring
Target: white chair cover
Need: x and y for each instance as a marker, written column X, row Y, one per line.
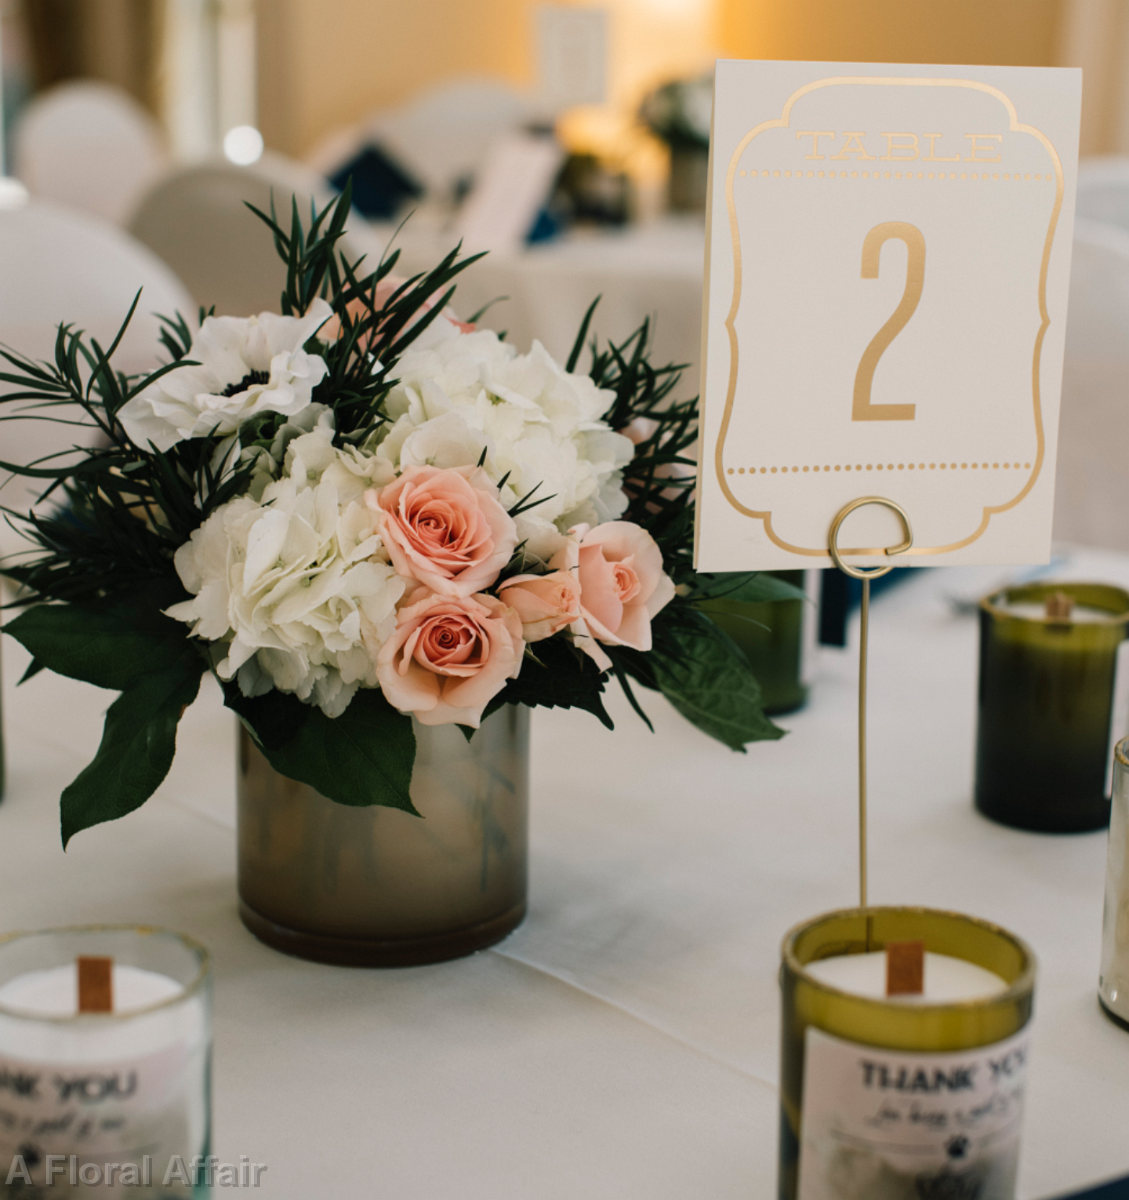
column 195, row 219
column 89, row 145
column 1092, row 486
column 59, row 265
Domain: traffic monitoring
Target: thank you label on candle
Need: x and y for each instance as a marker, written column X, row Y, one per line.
column 881, row 1124
column 887, row 279
column 65, row 1125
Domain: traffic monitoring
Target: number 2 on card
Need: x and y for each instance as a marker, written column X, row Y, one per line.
column 863, row 409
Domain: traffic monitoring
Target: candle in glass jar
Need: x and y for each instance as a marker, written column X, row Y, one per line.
column 105, row 1100
column 1045, row 704
column 946, row 978
column 54, row 992
column 885, row 1096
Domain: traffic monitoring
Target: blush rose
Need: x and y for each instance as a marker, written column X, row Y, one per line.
column 445, row 528
column 449, row 657
column 622, row 585
column 546, row 604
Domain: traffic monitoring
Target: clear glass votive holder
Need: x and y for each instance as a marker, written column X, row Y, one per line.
column 887, row 1097
column 105, row 1104
column 1045, row 706
column 1113, row 983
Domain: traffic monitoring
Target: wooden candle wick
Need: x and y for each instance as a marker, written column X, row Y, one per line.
column 1058, row 606
column 95, row 985
column 905, row 968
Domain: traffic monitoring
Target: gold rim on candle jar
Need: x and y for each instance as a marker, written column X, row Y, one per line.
column 983, row 1020
column 190, row 990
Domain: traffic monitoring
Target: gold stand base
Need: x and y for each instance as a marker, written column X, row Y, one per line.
column 393, row 952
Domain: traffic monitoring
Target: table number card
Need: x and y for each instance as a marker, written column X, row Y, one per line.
column 887, row 274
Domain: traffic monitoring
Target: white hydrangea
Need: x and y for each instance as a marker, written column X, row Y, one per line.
column 462, row 393
column 294, row 584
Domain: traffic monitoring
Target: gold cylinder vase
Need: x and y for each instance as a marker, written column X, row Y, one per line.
column 375, row 886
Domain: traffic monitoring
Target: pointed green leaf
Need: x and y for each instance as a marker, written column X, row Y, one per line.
column 137, row 748
column 365, row 756
column 108, row 646
column 708, row 682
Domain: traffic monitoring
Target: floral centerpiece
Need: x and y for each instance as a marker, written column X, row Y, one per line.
column 356, row 512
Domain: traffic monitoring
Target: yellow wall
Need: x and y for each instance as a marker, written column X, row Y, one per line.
column 326, row 63
column 1004, row 32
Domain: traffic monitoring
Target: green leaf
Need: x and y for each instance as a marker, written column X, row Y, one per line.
column 275, row 718
column 106, row 645
column 555, row 674
column 365, row 756
column 709, row 683
column 748, row 587
column 137, row 748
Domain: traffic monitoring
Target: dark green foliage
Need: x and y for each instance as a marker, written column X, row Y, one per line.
column 365, row 756
column 556, row 675
column 130, row 647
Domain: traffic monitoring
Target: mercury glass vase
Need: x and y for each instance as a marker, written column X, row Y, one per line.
column 376, row 886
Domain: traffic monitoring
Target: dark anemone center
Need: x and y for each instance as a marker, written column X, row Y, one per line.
column 248, row 380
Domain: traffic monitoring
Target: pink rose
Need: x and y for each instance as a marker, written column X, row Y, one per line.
column 449, row 657
column 622, row 585
column 445, row 528
column 545, row 603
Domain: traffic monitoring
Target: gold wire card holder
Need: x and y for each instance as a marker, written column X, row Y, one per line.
column 866, row 574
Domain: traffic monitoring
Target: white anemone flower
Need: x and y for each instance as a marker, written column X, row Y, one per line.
column 247, row 366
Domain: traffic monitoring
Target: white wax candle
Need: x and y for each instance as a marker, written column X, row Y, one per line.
column 946, row 978
column 1032, row 611
column 54, row 992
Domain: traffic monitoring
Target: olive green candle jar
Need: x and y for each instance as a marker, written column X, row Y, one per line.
column 771, row 635
column 1045, row 704
column 888, row 1097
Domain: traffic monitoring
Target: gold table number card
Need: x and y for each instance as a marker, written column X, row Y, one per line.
column 888, row 265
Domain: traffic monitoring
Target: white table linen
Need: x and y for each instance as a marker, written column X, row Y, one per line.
column 624, row 1041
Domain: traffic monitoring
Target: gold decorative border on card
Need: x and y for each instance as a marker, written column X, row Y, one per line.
column 783, row 122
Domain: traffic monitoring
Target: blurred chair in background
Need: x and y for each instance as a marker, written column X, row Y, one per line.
column 1092, row 484
column 89, row 145
column 61, row 265
column 196, row 220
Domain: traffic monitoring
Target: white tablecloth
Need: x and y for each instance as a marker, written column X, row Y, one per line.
column 623, row 1043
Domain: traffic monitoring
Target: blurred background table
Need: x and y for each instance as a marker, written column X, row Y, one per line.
column 623, row 1042
column 645, row 271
